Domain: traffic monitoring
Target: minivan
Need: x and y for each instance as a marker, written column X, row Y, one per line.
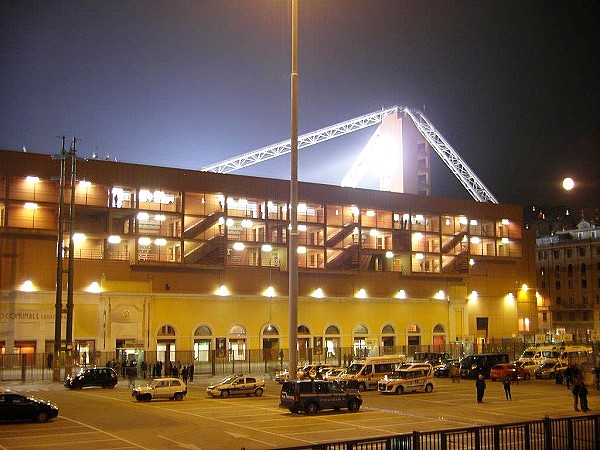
column 364, row 374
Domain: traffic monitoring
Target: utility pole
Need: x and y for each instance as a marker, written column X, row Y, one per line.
column 59, row 267
column 69, row 330
column 293, row 241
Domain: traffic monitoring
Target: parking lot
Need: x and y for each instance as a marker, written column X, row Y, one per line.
column 110, row 418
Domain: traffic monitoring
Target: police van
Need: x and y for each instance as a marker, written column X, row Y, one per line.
column 363, row 374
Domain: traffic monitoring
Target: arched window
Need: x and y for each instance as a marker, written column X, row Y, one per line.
column 271, row 330
column 388, row 339
column 360, row 332
column 439, row 337
column 303, row 329
column 237, row 342
column 413, row 332
column 166, row 330
column 332, row 343
column 202, row 343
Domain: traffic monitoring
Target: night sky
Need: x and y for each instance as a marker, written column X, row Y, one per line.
column 511, row 85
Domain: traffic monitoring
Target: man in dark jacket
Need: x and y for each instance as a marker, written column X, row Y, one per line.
column 480, row 386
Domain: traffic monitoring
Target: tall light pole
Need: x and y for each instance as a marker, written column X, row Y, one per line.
column 293, row 240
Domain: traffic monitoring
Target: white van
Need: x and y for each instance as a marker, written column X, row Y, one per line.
column 364, row 374
column 576, row 354
column 530, row 352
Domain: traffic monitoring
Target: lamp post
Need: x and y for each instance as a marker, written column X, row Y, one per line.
column 293, row 240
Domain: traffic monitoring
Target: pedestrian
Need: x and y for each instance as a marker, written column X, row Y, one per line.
column 480, row 386
column 506, row 383
column 583, row 392
column 455, row 373
column 144, row 368
column 191, row 372
column 575, row 392
column 184, row 374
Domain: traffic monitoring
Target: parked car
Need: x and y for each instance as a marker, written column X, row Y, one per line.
column 334, row 373
column 104, row 377
column 506, row 370
column 167, row 387
column 414, row 378
column 282, row 375
column 239, row 384
column 16, row 407
column 529, row 366
column 312, row 396
column 550, row 370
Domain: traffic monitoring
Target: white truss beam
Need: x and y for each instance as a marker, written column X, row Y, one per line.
column 459, row 168
column 306, row 140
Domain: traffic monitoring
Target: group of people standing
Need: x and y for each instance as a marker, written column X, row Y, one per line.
column 170, row 369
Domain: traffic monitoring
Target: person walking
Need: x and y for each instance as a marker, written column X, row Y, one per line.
column 506, row 383
column 480, row 386
column 583, row 392
column 575, row 392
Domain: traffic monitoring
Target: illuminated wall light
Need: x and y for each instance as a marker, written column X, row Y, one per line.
column 32, row 179
column 301, row 227
column 361, row 294
column 373, row 232
column 318, row 293
column 94, row 288
column 419, row 256
column 160, row 217
column 447, row 222
column 246, row 223
column 506, row 221
column 471, row 262
column 475, row 240
column 370, row 213
column 354, row 210
column 473, row 222
column 301, row 250
column 229, row 222
column 27, row 286
column 389, row 254
column 524, row 288
column 30, row 205
column 473, row 295
column 269, row 292
column 355, row 231
column 143, row 216
column 78, row 237
column 160, row 242
column 266, row 248
column 401, row 294
column 222, row 291
column 302, row 208
column 417, row 236
column 114, row 239
column 144, row 241
column 85, row 184
column 239, row 246
column 527, row 322
column 221, row 220
column 505, row 240
column 463, row 220
column 440, row 295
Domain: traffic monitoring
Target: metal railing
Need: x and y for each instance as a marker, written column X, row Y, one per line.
column 569, row 433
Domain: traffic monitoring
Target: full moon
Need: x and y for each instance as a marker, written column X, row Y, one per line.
column 568, row 184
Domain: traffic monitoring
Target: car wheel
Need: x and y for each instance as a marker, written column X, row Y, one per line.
column 225, row 394
column 311, row 409
column 147, row 397
column 258, row 392
column 527, row 376
column 178, row 396
column 429, row 388
column 353, row 406
column 41, row 416
column 399, row 390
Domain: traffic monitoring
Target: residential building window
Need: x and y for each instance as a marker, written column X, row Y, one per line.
column 557, row 270
column 570, row 270
column 584, row 284
column 569, row 253
column 558, row 317
column 558, row 300
column 583, row 269
column 584, row 299
column 557, row 284
column 556, row 254
column 544, row 317
column 570, row 284
column 581, row 251
column 543, row 285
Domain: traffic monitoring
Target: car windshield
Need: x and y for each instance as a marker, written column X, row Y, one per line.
column 228, row 379
column 354, row 368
